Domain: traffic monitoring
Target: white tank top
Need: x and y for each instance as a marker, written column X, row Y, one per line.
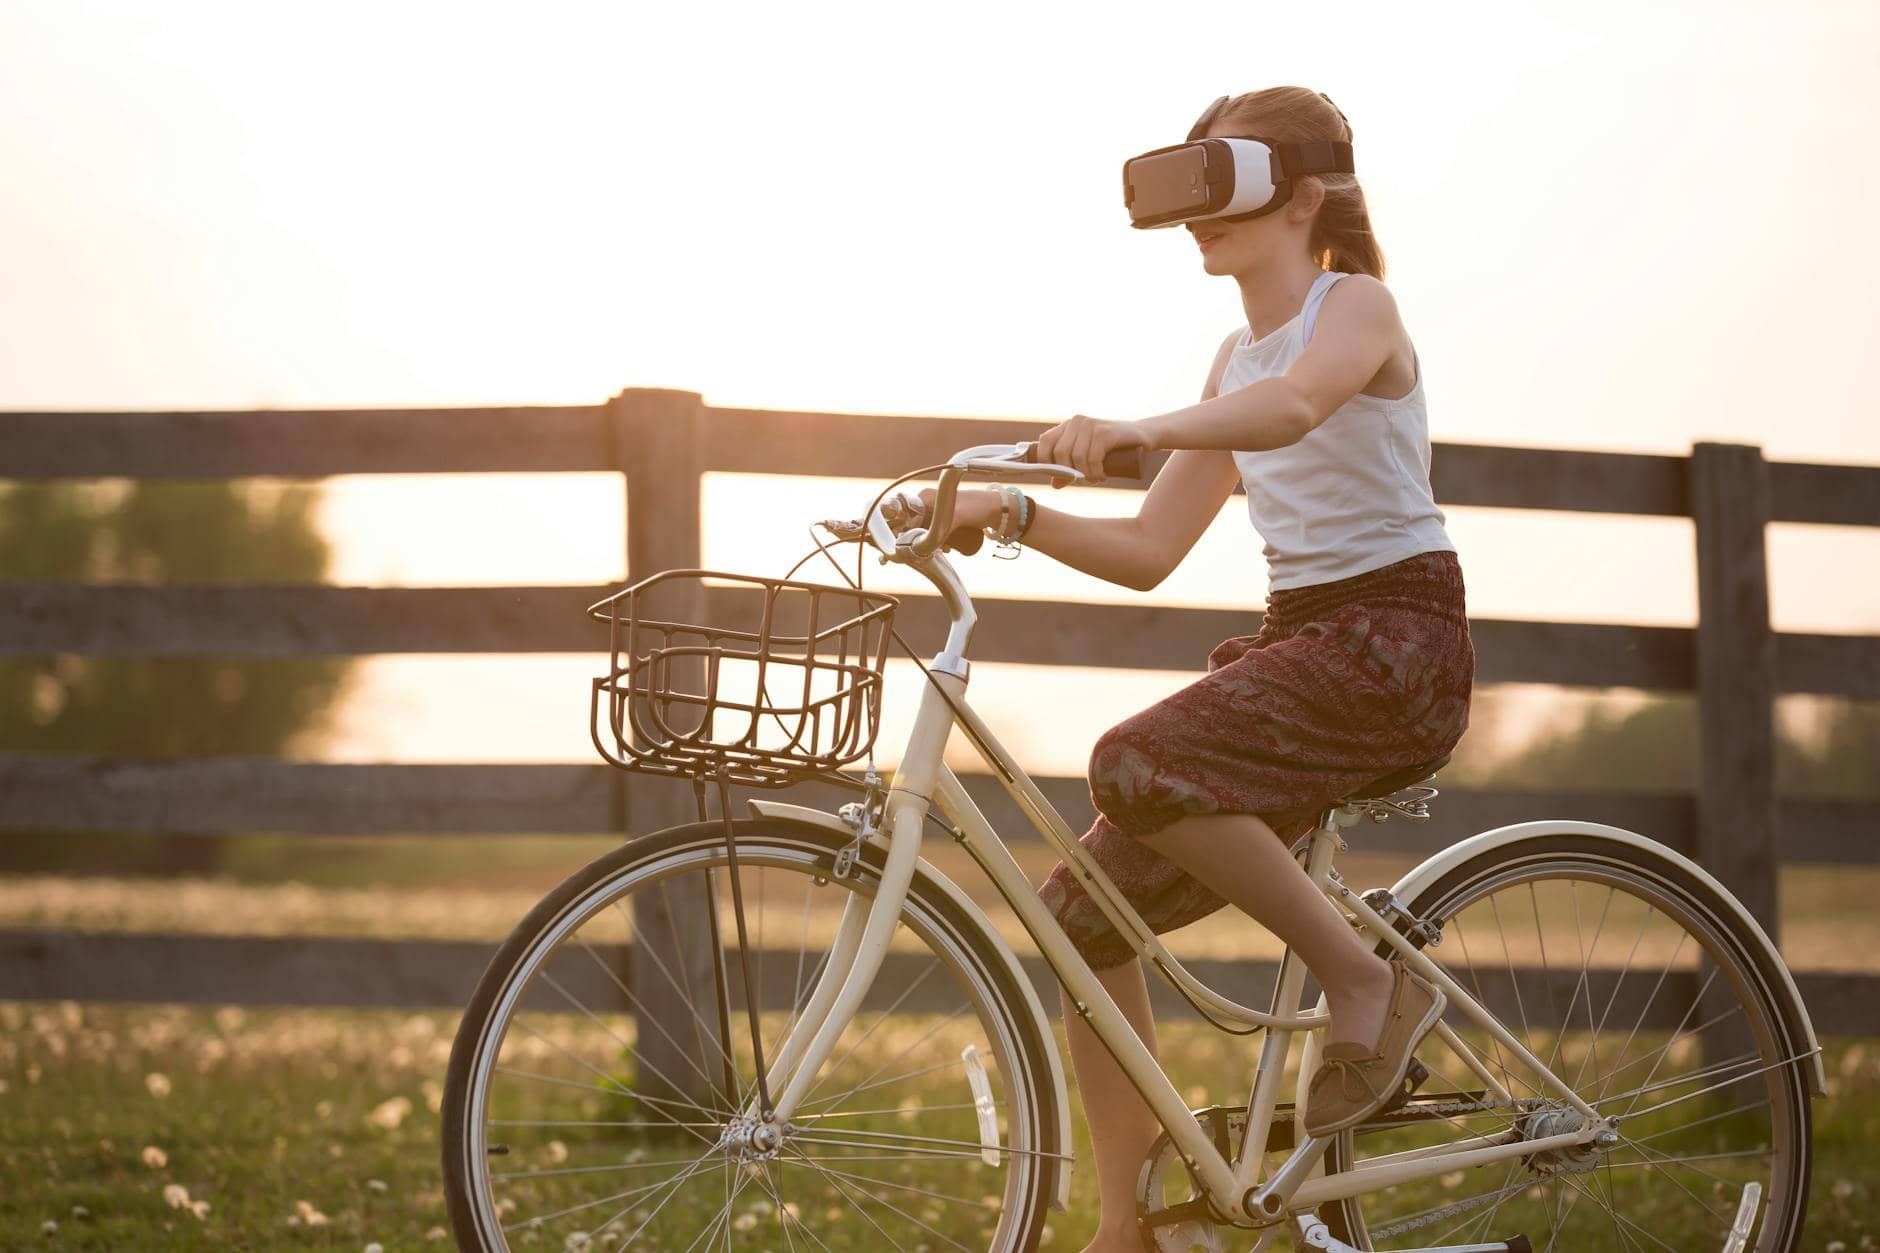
column 1352, row 496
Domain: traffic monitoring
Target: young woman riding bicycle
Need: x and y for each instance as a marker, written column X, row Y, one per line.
column 1362, row 665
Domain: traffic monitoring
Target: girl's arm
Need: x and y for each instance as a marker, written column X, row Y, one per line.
column 1136, row 552
column 1358, row 330
column 1140, row 552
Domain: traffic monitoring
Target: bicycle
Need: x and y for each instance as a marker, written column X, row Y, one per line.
column 643, row 1065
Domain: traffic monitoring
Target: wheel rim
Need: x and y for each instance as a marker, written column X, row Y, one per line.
column 613, row 1134
column 1633, row 991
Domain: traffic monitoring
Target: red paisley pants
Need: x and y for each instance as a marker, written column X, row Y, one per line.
column 1345, row 682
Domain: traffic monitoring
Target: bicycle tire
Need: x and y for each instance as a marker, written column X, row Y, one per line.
column 1016, row 1044
column 1751, row 982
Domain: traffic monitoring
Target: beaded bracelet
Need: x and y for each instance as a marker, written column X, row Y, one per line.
column 1011, row 511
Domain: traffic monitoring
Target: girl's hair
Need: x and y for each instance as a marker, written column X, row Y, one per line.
column 1341, row 233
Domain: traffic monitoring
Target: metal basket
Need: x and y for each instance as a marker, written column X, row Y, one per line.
column 788, row 684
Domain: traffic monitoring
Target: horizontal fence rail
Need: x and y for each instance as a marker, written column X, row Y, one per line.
column 73, row 793
column 441, row 974
column 210, row 620
column 663, row 442
column 315, row 443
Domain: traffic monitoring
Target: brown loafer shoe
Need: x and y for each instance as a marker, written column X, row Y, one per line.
column 1353, row 1082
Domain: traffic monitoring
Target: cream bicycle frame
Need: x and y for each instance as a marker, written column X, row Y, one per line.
column 922, row 780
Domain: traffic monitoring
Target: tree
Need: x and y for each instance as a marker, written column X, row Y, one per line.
column 1652, row 747
column 159, row 707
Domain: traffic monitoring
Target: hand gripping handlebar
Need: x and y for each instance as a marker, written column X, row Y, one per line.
column 1123, row 463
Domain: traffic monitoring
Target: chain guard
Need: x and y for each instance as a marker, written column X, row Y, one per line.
column 1192, row 1223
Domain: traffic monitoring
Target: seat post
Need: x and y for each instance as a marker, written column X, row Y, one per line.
column 1325, row 844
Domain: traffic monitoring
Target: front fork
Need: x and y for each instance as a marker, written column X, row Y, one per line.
column 863, row 935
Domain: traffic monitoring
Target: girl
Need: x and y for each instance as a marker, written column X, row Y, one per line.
column 1363, row 664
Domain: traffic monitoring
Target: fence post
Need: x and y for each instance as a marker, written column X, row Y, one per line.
column 656, row 436
column 1736, row 687
column 1736, row 676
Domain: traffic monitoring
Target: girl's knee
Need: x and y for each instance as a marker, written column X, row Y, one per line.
column 1120, row 766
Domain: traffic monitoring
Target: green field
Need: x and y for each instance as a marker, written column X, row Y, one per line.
column 131, row 1128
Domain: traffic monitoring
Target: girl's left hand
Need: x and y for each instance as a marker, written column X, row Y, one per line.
column 1083, row 442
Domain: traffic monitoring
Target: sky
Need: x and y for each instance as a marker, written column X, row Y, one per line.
column 1607, row 225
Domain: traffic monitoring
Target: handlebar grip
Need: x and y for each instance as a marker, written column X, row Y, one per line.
column 967, row 540
column 1120, row 463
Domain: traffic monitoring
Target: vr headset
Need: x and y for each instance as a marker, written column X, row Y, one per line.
column 1230, row 179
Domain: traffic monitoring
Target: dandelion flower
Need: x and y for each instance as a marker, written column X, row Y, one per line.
column 49, row 1226
column 305, row 1212
column 744, row 1222
column 389, row 1114
column 155, row 1158
column 200, row 1209
column 158, row 1083
column 375, row 1247
column 176, row 1196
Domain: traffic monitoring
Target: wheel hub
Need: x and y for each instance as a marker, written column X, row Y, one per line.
column 750, row 1139
column 1556, row 1120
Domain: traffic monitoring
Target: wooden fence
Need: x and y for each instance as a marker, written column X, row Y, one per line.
column 663, row 441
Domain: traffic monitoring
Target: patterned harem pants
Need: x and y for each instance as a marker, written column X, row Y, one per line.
column 1344, row 683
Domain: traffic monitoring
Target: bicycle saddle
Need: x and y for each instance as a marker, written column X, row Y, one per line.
column 1397, row 780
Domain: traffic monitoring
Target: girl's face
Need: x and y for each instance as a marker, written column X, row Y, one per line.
column 1237, row 247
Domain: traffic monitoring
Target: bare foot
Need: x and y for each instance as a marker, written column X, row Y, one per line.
column 1358, row 1006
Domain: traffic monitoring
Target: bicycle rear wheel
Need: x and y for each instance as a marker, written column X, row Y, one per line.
column 594, row 1084
column 1637, row 984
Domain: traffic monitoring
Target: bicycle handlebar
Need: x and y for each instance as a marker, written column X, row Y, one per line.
column 903, row 529
column 1008, row 461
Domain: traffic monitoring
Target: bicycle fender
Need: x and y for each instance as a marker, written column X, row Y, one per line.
column 1412, row 885
column 782, row 812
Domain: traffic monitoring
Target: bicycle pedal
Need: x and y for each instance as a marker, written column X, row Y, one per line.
column 1413, row 1078
column 1183, row 1238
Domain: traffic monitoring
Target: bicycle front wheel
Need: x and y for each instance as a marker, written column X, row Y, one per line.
column 1634, row 981
column 597, row 1078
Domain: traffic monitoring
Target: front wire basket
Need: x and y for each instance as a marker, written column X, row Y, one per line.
column 789, row 685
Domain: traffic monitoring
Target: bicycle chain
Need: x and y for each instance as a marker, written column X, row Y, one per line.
column 1519, row 1107
column 1474, row 1202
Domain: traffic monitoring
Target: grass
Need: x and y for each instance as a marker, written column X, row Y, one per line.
column 138, row 1127
column 195, row 1128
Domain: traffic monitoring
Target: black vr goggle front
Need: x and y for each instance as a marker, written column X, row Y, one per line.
column 1230, row 179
